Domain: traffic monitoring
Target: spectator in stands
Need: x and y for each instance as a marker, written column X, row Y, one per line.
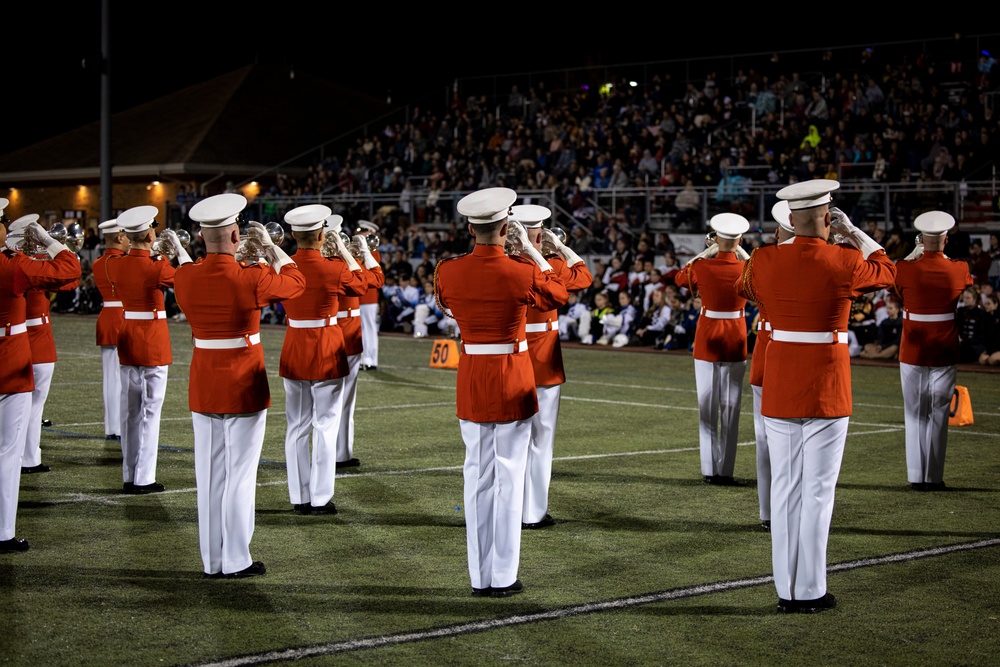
column 574, row 320
column 973, row 324
column 602, row 308
column 620, row 325
column 991, row 355
column 890, row 330
column 654, row 325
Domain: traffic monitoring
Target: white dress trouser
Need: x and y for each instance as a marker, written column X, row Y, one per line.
column 763, row 458
column 369, row 333
column 143, row 389
column 313, row 412
column 349, row 395
column 226, row 454
column 496, row 455
column 32, row 455
column 720, row 388
column 805, row 463
column 14, row 409
column 112, row 388
column 539, row 467
column 927, row 392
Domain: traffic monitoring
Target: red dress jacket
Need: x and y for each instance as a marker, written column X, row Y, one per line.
column 139, row 280
column 543, row 346
column 371, row 296
column 928, row 286
column 349, row 319
column 222, row 299
column 111, row 318
column 807, row 286
column 38, row 311
column 318, row 353
column 717, row 339
column 18, row 275
column 488, row 294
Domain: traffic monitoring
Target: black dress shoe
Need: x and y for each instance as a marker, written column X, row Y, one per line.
column 544, row 523
column 116, row 438
column 482, row 592
column 349, row 463
column 213, row 575
column 46, row 422
column 918, row 486
column 766, row 525
column 935, row 486
column 254, row 570
column 13, row 545
column 507, row 591
column 41, row 467
column 302, row 508
column 329, row 508
column 828, row 601
column 142, row 489
column 720, row 480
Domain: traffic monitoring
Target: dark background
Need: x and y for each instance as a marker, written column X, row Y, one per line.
column 390, row 49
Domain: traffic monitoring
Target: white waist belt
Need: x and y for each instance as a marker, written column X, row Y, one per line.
column 113, row 304
column 763, row 325
column 313, row 324
column 722, row 314
column 227, row 343
column 136, row 315
column 500, row 348
column 808, row 336
column 13, row 329
column 356, row 312
column 541, row 326
column 37, row 321
column 937, row 317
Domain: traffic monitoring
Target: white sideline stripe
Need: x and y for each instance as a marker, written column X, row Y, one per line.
column 616, row 604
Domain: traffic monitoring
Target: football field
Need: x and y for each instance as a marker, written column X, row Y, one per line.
column 647, row 565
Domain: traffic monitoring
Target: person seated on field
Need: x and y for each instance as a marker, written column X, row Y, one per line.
column 886, row 345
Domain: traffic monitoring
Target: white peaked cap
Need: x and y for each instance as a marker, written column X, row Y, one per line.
column 138, row 218
column 485, row 206
column 218, row 210
column 782, row 215
column 934, row 223
column 808, row 194
column 531, row 215
column 307, row 218
column 729, row 225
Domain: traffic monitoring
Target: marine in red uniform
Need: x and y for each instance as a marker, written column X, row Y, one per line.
column 545, row 350
column 806, row 287
column 368, row 304
column 313, row 364
column 228, row 392
column 488, row 294
column 109, row 325
column 18, row 274
column 43, row 363
column 784, row 233
column 720, row 345
column 929, row 284
column 144, row 352
column 349, row 320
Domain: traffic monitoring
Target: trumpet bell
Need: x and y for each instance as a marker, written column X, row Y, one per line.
column 548, row 248
column 75, row 237
column 251, row 250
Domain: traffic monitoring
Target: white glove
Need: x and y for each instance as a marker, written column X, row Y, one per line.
column 345, row 253
column 366, row 254
column 916, row 253
column 708, row 253
column 52, row 247
column 182, row 256
column 520, row 236
column 274, row 255
column 567, row 253
column 742, row 254
column 841, row 224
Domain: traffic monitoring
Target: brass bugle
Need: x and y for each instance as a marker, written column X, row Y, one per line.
column 251, row 250
column 161, row 246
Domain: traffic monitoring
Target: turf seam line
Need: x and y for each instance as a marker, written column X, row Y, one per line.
column 448, row 631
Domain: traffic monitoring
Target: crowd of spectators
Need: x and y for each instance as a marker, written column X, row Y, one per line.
column 911, row 117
